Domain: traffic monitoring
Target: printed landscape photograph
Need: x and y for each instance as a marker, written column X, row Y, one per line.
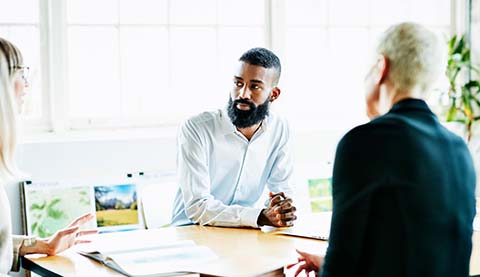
column 320, row 192
column 52, row 208
column 116, row 205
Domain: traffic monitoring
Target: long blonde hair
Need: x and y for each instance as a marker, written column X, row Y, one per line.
column 10, row 60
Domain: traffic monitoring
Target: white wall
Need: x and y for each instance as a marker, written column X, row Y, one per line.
column 57, row 161
column 87, row 159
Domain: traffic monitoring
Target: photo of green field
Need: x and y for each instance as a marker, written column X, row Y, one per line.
column 116, row 205
column 50, row 208
column 320, row 187
column 320, row 192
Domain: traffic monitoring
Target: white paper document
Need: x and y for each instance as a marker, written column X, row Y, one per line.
column 154, row 259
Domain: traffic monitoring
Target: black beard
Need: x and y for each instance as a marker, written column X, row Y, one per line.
column 248, row 118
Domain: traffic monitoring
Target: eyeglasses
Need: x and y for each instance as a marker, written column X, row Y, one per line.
column 24, row 71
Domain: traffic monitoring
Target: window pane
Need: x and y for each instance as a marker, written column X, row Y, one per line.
column 348, row 12
column 144, row 53
column 305, row 78
column 307, row 12
column 93, row 72
column 431, row 12
column 157, row 71
column 388, row 12
column 143, row 11
column 244, row 12
column 26, row 38
column 475, row 35
column 337, row 55
column 188, row 12
column 349, row 96
column 232, row 43
column 194, row 67
column 92, row 11
column 19, row 11
column 323, row 80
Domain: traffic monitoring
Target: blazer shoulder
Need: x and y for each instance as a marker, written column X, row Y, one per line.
column 370, row 133
column 355, row 135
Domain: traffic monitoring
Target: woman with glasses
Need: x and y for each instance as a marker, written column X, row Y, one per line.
column 13, row 82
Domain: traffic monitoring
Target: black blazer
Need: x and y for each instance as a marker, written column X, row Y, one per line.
column 403, row 198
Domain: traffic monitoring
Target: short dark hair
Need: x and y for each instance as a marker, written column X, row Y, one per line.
column 263, row 57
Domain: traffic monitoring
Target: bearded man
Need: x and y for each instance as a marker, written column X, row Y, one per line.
column 226, row 158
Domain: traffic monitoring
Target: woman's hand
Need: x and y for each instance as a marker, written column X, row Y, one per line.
column 307, row 262
column 66, row 238
column 62, row 239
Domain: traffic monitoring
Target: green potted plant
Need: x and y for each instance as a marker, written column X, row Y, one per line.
column 464, row 97
column 464, row 92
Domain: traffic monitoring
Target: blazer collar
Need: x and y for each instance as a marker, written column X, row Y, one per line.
column 410, row 104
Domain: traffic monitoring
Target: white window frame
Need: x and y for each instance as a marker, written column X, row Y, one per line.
column 54, row 65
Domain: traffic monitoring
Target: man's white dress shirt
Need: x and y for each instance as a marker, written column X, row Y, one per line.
column 221, row 174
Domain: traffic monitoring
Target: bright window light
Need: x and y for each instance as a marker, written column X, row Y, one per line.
column 19, row 24
column 140, row 63
column 328, row 49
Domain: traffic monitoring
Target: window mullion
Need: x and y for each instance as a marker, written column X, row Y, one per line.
column 275, row 26
column 42, row 124
column 458, row 15
column 56, row 53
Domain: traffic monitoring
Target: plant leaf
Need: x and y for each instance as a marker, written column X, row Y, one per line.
column 451, row 44
column 459, row 45
column 34, row 226
column 36, row 206
column 54, row 213
column 54, row 202
column 452, row 112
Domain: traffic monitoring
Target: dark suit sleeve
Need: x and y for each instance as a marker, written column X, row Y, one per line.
column 352, row 185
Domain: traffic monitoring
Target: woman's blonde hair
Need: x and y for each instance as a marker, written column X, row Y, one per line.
column 417, row 56
column 10, row 61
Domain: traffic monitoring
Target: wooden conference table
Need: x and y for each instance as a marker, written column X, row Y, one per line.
column 241, row 251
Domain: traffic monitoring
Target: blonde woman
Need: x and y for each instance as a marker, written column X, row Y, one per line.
column 13, row 81
column 403, row 185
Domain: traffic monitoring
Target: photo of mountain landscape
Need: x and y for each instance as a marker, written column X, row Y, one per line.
column 116, row 205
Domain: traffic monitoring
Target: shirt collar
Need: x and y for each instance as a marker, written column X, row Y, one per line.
column 225, row 122
column 228, row 127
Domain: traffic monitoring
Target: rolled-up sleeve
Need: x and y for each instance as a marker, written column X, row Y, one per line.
column 281, row 175
column 17, row 243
